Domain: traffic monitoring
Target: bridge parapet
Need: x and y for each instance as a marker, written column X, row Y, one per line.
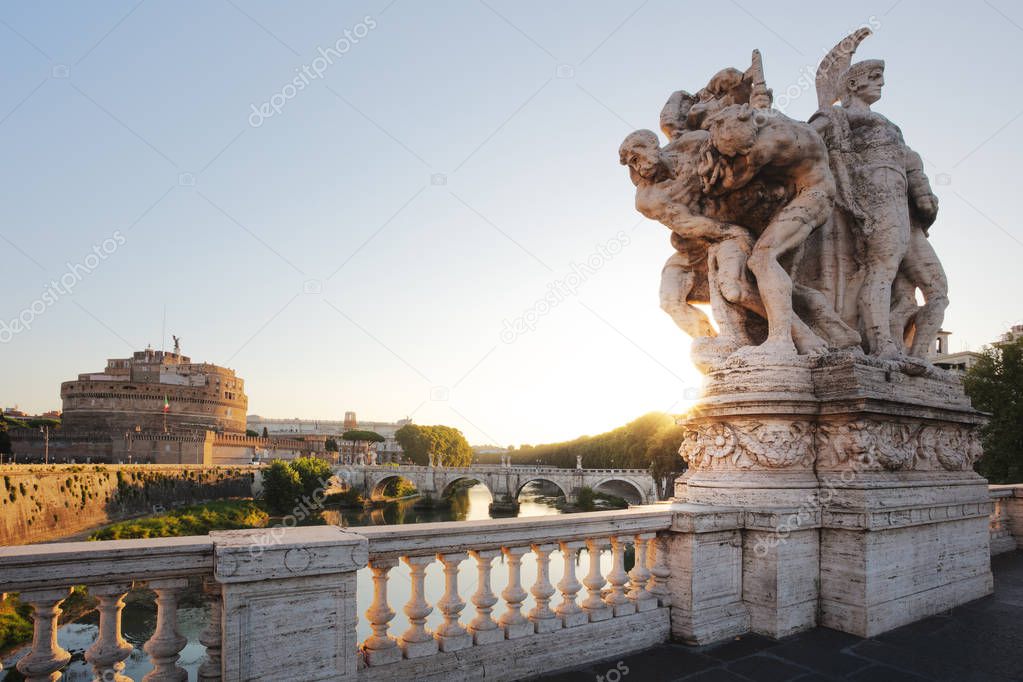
column 503, row 481
column 266, row 585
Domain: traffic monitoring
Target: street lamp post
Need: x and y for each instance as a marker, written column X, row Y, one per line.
column 45, row 430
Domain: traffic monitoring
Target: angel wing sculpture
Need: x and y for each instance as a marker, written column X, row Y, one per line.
column 834, row 64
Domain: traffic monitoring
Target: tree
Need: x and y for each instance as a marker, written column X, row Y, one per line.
column 413, row 443
column 5, row 440
column 331, row 445
column 665, row 462
column 995, row 385
column 359, row 436
column 313, row 473
column 444, row 445
column 282, row 487
column 266, row 434
column 249, row 433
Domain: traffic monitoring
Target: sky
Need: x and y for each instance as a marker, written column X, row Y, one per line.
column 380, row 239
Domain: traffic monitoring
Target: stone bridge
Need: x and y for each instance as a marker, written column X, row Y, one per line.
column 504, row 482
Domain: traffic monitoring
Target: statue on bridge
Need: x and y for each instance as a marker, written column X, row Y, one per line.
column 804, row 238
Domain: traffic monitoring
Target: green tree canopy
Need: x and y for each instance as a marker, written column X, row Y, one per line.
column 281, row 487
column 995, row 385
column 443, row 444
column 5, row 440
column 287, row 485
column 331, row 445
column 359, row 436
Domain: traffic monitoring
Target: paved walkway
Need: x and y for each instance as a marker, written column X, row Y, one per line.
column 981, row 641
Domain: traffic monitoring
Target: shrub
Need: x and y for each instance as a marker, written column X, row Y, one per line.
column 314, row 473
column 585, row 498
column 346, row 498
column 197, row 519
column 282, row 486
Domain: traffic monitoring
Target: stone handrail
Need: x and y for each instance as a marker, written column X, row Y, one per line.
column 1006, row 518
column 572, row 630
column 293, row 590
column 459, row 536
column 44, row 575
column 526, row 468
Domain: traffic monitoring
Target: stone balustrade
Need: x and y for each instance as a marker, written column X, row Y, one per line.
column 620, row 612
column 43, row 575
column 1006, row 518
column 285, row 607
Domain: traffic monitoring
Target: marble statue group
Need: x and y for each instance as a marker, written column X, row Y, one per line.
column 803, row 237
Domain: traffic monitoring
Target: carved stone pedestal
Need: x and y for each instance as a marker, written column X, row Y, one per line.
column 295, row 588
column 893, row 552
column 857, row 485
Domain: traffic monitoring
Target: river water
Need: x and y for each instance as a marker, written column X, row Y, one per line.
column 139, row 616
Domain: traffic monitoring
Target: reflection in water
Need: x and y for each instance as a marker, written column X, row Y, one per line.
column 468, row 504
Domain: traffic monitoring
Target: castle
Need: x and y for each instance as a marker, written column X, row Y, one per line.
column 155, row 390
column 157, row 407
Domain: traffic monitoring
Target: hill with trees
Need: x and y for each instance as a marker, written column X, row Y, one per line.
column 650, row 442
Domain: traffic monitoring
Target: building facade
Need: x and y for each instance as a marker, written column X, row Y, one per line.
column 387, row 451
column 155, row 391
column 157, row 407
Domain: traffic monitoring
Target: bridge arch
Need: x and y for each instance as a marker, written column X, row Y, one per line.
column 632, row 486
column 466, row 477
column 542, row 479
column 379, row 484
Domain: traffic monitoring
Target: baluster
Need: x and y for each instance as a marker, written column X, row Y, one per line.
column 594, row 605
column 639, row 576
column 417, row 641
column 212, row 635
column 380, row 648
column 617, row 578
column 544, row 619
column 483, row 627
column 451, row 635
column 46, row 657
column 108, row 652
column 568, row 610
column 515, row 624
column 166, row 643
column 659, row 571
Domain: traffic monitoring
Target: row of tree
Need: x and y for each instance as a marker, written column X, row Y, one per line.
column 650, row 442
column 441, row 445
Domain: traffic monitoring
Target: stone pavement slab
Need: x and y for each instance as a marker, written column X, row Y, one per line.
column 979, row 641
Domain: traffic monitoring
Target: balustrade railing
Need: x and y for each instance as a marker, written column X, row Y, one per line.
column 611, row 594
column 512, row 591
column 44, row 576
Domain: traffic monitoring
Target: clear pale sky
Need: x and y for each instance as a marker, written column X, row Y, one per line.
column 362, row 248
